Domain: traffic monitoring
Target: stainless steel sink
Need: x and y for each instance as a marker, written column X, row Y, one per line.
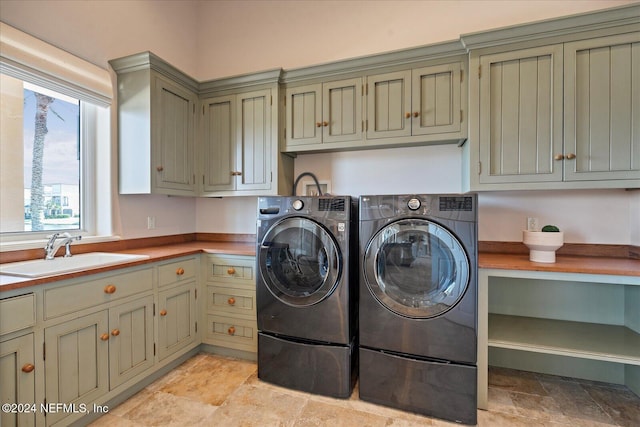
column 60, row 265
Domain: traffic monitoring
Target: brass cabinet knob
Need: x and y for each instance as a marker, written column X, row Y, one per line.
column 318, row 124
column 416, row 114
column 110, row 289
column 231, row 271
column 325, row 124
column 231, row 301
column 28, row 368
column 407, row 115
column 163, row 312
column 236, row 173
column 231, row 330
column 571, row 156
column 160, row 168
column 104, row 337
column 180, row 271
column 115, row 332
column 558, row 157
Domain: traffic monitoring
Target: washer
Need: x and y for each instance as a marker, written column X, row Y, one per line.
column 306, row 293
column 418, row 304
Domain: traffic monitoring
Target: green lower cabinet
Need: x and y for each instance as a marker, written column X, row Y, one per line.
column 131, row 340
column 177, row 319
column 87, row 357
column 77, row 362
column 17, row 385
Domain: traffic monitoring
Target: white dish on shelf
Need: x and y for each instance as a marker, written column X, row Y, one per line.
column 543, row 245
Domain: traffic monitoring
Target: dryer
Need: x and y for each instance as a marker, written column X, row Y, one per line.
column 418, row 303
column 306, row 293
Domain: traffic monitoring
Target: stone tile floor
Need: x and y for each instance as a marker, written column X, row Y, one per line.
column 210, row 390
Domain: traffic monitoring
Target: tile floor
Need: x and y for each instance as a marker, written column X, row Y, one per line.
column 210, row 390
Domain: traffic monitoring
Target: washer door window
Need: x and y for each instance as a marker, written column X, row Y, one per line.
column 416, row 268
column 300, row 261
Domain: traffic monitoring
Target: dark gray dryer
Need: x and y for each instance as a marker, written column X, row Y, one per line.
column 306, row 293
column 418, row 304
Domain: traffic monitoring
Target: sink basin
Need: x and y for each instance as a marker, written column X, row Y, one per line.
column 60, row 265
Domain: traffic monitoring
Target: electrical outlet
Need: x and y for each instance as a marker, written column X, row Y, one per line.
column 151, row 222
column 532, row 224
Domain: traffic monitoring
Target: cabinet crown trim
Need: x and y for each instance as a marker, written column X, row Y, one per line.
column 562, row 26
column 240, row 82
column 376, row 61
column 150, row 61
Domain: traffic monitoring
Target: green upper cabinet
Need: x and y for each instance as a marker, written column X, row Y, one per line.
column 218, row 144
column 238, row 144
column 173, row 132
column 156, row 127
column 560, row 108
column 520, row 115
column 320, row 115
column 602, row 108
column 423, row 101
column 254, row 141
column 408, row 97
column 389, row 105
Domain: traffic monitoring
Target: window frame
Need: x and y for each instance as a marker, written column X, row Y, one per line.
column 31, row 60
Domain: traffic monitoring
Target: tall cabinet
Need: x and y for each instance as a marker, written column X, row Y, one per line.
column 156, row 127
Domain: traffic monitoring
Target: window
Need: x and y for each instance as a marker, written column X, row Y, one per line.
column 54, row 124
column 43, row 129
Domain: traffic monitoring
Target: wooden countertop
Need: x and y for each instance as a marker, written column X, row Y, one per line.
column 155, row 254
column 563, row 264
column 503, row 261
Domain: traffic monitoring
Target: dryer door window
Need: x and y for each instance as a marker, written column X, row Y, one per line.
column 300, row 261
column 416, row 268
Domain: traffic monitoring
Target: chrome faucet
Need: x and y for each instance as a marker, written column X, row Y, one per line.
column 53, row 244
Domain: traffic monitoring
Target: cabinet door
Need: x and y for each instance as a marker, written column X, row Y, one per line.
column 304, row 115
column 18, row 379
column 389, row 105
column 219, row 143
column 342, row 111
column 173, row 127
column 177, row 319
column 435, row 99
column 602, row 108
column 253, row 141
column 77, row 361
column 131, row 341
column 520, row 108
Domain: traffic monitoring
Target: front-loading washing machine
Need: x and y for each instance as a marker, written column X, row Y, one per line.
column 306, row 292
column 418, row 303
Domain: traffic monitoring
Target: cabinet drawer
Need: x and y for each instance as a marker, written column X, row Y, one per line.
column 77, row 296
column 238, row 270
column 234, row 301
column 240, row 334
column 177, row 271
column 17, row 313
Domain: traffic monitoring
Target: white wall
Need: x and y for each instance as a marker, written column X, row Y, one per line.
column 210, row 39
column 261, row 34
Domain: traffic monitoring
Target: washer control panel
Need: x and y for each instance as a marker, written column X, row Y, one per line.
column 414, row 204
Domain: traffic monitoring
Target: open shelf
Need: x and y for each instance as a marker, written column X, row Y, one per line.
column 610, row 343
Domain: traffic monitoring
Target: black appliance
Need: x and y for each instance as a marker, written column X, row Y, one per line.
column 306, row 293
column 418, row 304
